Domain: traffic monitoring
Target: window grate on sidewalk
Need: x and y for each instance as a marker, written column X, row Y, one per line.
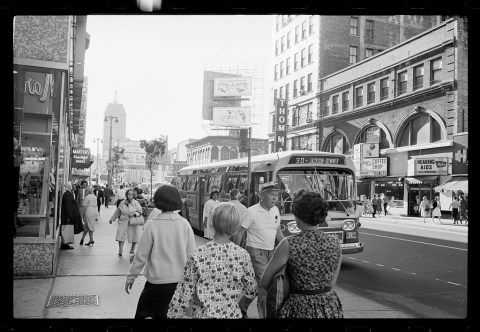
column 72, row 300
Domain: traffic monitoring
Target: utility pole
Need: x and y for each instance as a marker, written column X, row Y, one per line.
column 249, row 177
column 98, row 140
column 110, row 168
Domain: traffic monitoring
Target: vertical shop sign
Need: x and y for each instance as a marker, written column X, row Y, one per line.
column 38, row 92
column 280, row 125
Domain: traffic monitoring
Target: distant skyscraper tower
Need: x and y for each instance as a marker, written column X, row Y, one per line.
column 118, row 128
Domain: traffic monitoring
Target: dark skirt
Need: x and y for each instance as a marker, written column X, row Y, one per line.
column 154, row 300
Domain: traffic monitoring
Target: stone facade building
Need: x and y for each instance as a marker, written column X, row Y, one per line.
column 414, row 95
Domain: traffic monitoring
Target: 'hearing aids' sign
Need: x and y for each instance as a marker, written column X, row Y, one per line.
column 429, row 166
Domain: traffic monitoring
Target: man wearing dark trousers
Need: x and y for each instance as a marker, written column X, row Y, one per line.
column 375, row 203
column 99, row 193
column 107, row 192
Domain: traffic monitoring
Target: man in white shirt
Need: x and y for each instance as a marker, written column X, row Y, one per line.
column 120, row 194
column 262, row 225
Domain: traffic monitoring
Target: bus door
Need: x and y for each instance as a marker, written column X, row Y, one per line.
column 257, row 179
column 202, row 183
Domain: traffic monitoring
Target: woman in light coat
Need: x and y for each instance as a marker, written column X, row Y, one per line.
column 437, row 209
column 127, row 208
column 90, row 214
column 423, row 208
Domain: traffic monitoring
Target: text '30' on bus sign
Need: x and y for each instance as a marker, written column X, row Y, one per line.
column 317, row 160
column 280, row 125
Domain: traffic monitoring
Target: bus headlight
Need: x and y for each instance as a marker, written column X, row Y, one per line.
column 292, row 227
column 348, row 224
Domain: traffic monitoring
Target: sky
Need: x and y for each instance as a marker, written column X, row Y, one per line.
column 155, row 63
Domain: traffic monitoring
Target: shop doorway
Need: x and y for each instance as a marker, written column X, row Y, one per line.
column 415, row 196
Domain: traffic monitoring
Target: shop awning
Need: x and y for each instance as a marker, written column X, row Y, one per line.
column 455, row 183
column 421, row 179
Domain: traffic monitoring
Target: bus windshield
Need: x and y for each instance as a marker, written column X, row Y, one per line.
column 336, row 186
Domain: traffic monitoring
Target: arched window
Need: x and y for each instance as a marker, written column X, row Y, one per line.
column 420, row 129
column 225, row 153
column 362, row 138
column 336, row 143
column 214, row 155
column 233, row 153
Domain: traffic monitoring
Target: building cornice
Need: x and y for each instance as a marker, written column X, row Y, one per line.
column 40, row 63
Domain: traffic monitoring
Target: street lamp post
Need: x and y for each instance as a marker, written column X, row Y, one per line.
column 98, row 140
column 110, row 168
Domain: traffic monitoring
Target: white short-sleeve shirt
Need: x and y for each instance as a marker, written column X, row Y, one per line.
column 261, row 227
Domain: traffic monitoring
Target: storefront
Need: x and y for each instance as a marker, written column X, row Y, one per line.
column 41, row 134
column 424, row 174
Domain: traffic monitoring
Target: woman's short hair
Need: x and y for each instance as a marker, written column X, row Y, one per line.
column 309, row 206
column 68, row 186
column 138, row 190
column 127, row 191
column 214, row 192
column 226, row 219
column 88, row 190
column 167, row 198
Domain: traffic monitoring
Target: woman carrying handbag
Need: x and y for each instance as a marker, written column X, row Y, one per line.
column 127, row 229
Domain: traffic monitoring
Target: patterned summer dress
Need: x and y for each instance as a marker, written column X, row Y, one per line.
column 314, row 258
column 214, row 276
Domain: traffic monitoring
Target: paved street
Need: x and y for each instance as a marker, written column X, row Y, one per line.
column 97, row 270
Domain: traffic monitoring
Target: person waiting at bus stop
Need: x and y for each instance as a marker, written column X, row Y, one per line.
column 263, row 232
column 207, row 214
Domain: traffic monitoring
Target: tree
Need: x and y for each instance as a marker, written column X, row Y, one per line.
column 118, row 158
column 154, row 149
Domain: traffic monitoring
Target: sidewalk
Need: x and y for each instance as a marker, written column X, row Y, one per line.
column 411, row 221
column 96, row 271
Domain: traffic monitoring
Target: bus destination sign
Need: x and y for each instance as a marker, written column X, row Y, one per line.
column 317, row 160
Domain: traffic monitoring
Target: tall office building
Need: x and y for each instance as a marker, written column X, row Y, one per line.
column 118, row 128
column 309, row 47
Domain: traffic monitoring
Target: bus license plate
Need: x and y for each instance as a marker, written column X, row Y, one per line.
column 339, row 235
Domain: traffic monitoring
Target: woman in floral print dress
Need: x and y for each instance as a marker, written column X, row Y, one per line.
column 313, row 261
column 216, row 273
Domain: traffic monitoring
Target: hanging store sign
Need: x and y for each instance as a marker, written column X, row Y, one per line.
column 280, row 143
column 429, row 166
column 373, row 135
column 366, row 150
column 231, row 116
column 373, row 167
column 81, row 158
column 232, row 86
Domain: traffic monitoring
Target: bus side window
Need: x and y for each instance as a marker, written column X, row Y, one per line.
column 243, row 182
column 206, row 188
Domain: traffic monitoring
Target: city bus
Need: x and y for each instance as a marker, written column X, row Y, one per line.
column 331, row 174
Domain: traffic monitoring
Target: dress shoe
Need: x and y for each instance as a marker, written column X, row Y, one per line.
column 81, row 241
column 90, row 243
column 66, row 246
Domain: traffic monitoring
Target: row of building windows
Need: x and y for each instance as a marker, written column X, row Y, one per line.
column 300, row 115
column 285, row 41
column 353, row 56
column 298, row 90
column 354, row 27
column 420, row 129
column 283, row 69
column 436, row 76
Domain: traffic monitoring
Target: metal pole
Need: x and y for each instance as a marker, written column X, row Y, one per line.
column 249, row 177
column 96, row 168
column 110, row 156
